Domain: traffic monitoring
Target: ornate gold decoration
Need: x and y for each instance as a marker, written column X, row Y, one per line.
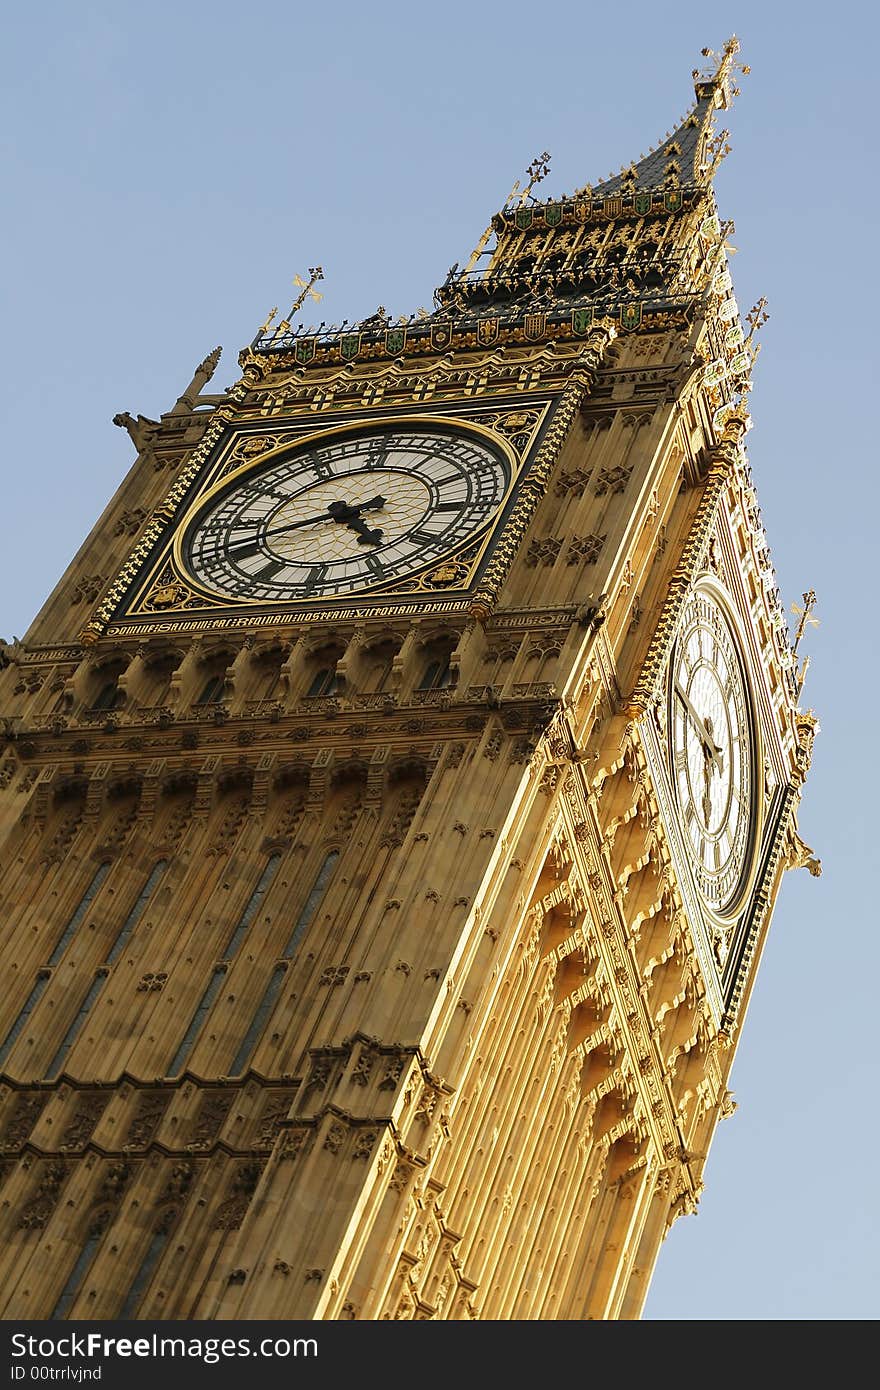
column 307, row 290
column 446, row 575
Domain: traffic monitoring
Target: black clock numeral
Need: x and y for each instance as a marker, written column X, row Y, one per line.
column 262, row 490
column 268, row 572
column 315, row 577
column 423, row 537
column 464, row 482
column 246, row 551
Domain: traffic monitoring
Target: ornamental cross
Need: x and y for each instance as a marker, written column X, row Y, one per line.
column 306, row 290
column 805, row 616
column 537, row 171
column 724, row 64
column 757, row 316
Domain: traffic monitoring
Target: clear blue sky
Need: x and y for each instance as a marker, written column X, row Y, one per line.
column 168, row 169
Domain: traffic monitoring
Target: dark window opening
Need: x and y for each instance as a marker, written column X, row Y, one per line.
column 212, row 691
column 107, row 697
column 437, row 675
column 324, row 682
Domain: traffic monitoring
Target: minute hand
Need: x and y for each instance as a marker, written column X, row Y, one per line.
column 705, row 738
column 374, row 504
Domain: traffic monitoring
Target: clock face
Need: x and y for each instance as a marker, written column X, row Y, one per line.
column 345, row 514
column 712, row 749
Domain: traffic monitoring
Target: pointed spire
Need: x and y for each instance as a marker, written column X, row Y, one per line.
column 692, row 151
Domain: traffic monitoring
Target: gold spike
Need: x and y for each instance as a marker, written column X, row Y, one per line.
column 806, row 618
column 537, row 170
column 306, row 290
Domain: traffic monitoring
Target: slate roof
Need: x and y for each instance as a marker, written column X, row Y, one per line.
column 689, row 136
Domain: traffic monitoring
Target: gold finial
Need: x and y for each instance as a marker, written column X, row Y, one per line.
column 537, row 170
column 264, row 327
column 480, row 247
column 717, row 149
column 755, row 318
column 305, row 290
column 805, row 618
column 719, row 78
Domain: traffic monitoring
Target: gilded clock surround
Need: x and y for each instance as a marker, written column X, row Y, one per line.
column 712, row 748
column 361, row 875
column 170, row 590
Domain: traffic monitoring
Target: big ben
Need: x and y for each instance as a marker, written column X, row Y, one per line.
column 394, row 794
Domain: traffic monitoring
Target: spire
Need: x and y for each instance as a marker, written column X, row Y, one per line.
column 691, row 152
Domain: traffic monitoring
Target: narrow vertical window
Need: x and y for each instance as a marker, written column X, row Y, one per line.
column 107, row 696
column 27, row 1009
column 69, row 1038
column 212, row 691
column 213, row 988
column 94, row 990
column 252, row 906
column 437, row 675
column 131, row 920
column 324, row 682
column 82, row 908
column 198, row 1018
column 265, row 1007
column 311, row 904
column 147, row 1267
column 81, row 1267
column 45, row 974
column 273, row 989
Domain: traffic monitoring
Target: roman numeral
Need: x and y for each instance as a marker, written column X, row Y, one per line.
column 244, row 552
column 268, row 572
column 316, row 575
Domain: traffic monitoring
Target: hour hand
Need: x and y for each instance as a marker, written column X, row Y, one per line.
column 709, row 745
column 366, row 536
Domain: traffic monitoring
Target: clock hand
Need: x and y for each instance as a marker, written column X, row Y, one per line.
column 709, row 744
column 365, row 535
column 345, row 511
column 341, row 512
column 707, row 784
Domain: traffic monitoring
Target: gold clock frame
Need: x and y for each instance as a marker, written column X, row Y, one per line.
column 229, row 480
column 167, row 598
column 731, row 910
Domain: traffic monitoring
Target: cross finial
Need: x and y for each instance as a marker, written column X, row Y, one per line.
column 537, row 171
column 805, row 618
column 757, row 316
column 719, row 75
column 306, row 289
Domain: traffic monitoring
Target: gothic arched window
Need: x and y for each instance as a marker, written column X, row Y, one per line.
column 212, row 691
column 324, row 682
column 107, row 697
column 436, row 675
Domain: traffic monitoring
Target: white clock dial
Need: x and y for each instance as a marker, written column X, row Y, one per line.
column 346, row 514
column 712, row 748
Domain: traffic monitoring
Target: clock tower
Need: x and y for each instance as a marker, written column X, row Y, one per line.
column 394, row 793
